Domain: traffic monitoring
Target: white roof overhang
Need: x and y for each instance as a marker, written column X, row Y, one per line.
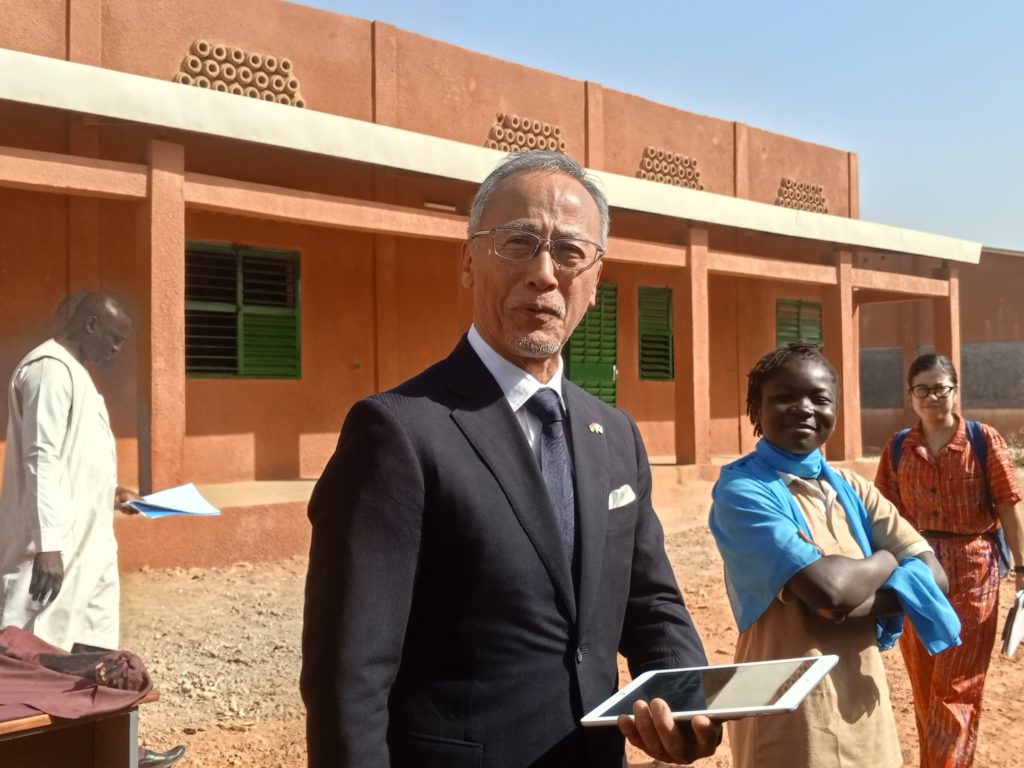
column 55, row 83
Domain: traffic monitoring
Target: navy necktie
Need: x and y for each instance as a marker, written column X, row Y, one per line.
column 555, row 465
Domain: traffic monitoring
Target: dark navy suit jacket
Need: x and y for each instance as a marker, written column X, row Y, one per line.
column 442, row 625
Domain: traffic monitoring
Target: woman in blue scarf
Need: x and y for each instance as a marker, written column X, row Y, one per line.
column 818, row 562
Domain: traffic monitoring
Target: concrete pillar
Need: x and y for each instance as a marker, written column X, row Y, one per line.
column 594, row 120
column 387, row 368
column 85, row 31
column 946, row 317
column 910, row 338
column 160, row 324
column 84, row 44
column 692, row 354
column 388, row 371
column 853, row 166
column 385, row 82
column 740, row 161
column 840, row 326
column 83, row 215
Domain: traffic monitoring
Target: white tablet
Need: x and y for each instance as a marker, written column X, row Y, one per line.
column 724, row 691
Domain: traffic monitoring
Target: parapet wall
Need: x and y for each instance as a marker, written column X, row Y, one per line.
column 375, row 72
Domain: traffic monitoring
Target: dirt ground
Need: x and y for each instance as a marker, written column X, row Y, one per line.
column 223, row 647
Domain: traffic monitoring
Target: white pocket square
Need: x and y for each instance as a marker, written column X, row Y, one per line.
column 620, row 497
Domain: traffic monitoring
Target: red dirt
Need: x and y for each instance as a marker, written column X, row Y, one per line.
column 223, row 647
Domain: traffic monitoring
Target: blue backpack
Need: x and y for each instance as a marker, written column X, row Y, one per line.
column 976, row 436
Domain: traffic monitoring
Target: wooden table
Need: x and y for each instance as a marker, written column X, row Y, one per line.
column 100, row 741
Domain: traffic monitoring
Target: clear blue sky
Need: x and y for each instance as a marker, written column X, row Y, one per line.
column 929, row 94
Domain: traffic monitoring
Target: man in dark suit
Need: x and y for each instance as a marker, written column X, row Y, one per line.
column 483, row 538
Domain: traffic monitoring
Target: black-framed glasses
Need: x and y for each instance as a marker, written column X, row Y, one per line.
column 573, row 254
column 941, row 391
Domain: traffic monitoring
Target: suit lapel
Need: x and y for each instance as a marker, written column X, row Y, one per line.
column 590, row 460
column 488, row 423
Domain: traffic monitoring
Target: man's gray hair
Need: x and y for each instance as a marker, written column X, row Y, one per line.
column 532, row 162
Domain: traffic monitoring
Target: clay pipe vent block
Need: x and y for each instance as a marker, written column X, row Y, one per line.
column 228, row 69
column 801, row 196
column 666, row 166
column 515, row 133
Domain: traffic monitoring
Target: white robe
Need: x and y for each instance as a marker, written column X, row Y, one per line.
column 60, row 477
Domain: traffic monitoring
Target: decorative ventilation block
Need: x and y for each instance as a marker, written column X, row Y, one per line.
column 667, row 167
column 801, row 196
column 512, row 133
column 244, row 73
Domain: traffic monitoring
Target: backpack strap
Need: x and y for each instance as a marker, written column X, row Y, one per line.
column 897, row 446
column 976, row 434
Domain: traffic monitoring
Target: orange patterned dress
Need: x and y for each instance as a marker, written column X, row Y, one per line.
column 944, row 497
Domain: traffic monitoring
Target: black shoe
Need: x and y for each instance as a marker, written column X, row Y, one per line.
column 151, row 759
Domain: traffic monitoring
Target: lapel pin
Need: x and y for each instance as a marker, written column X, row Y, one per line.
column 596, row 428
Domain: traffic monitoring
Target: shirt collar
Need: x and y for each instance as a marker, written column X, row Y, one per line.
column 957, row 441
column 819, row 487
column 517, row 385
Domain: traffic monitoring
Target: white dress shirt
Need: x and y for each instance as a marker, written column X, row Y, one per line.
column 519, row 386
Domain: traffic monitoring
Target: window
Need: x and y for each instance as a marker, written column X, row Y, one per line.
column 592, row 351
column 241, row 312
column 797, row 320
column 655, row 310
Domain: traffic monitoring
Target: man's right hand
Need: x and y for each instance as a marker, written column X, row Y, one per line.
column 47, row 577
column 653, row 730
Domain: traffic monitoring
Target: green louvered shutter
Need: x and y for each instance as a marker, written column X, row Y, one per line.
column 592, row 350
column 655, row 326
column 269, row 318
column 797, row 320
column 241, row 312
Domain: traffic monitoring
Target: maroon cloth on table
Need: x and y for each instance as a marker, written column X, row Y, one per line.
column 29, row 688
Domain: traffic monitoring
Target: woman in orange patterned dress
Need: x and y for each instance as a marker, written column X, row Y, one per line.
column 939, row 485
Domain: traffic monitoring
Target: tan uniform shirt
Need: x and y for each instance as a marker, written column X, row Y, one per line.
column 847, row 721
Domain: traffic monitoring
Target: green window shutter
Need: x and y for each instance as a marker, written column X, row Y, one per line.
column 269, row 319
column 797, row 320
column 593, row 349
column 241, row 312
column 656, row 337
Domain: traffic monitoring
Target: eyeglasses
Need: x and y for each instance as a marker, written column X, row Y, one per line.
column 941, row 392
column 569, row 253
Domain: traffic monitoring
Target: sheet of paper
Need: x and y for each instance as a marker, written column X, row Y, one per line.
column 181, row 500
column 1013, row 632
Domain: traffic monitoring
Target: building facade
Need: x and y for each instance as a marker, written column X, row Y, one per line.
column 279, row 195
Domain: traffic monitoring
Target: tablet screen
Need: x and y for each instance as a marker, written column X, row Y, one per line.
column 721, row 687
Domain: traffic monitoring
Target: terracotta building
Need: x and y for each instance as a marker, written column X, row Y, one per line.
column 279, row 194
column 991, row 351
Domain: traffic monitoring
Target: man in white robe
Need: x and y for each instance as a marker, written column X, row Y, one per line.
column 58, row 554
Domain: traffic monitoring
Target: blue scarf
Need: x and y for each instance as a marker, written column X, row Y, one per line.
column 765, row 540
